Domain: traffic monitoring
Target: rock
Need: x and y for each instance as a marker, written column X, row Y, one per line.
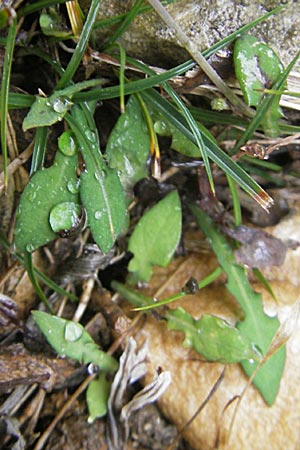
column 205, row 22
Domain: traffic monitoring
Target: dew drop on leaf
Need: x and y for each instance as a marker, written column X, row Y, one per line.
column 98, row 215
column 90, row 135
column 64, row 216
column 61, row 105
column 67, row 143
column 73, row 331
column 32, row 196
column 73, row 186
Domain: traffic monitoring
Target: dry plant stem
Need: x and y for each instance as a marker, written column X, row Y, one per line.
column 8, row 273
column 44, row 437
column 282, row 142
column 174, row 276
column 16, row 163
column 26, row 395
column 32, row 412
column 201, row 407
column 199, row 58
column 84, row 299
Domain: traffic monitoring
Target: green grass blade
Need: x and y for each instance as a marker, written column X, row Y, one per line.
column 81, row 45
column 214, row 152
column 121, row 17
column 133, row 86
column 8, row 58
column 133, row 12
column 237, row 212
column 37, row 6
column 30, row 270
column 19, row 101
column 39, row 149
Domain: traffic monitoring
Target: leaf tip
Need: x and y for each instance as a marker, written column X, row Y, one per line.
column 264, row 199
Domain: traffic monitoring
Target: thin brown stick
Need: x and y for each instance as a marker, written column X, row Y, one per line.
column 46, row 434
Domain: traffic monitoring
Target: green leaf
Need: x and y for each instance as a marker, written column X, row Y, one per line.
column 101, row 191
column 46, row 189
column 97, row 397
column 258, row 67
column 52, row 24
column 213, row 337
column 180, row 142
column 155, row 237
column 230, row 167
column 128, row 145
column 103, row 198
column 46, row 111
column 257, row 326
column 70, row 339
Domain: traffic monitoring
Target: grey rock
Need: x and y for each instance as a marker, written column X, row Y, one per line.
column 205, row 22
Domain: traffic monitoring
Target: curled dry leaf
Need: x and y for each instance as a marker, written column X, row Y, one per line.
column 132, row 368
column 259, row 249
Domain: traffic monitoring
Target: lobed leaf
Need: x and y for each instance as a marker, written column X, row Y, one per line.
column 213, row 337
column 257, row 326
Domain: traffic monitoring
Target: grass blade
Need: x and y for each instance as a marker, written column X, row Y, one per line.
column 133, row 12
column 39, row 150
column 214, row 152
column 81, row 45
column 11, row 39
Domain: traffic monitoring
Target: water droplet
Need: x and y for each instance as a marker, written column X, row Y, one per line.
column 98, row 215
column 64, row 216
column 73, row 331
column 61, row 105
column 67, row 144
column 48, row 103
column 30, row 248
column 251, row 361
column 90, row 135
column 73, row 186
column 32, row 196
